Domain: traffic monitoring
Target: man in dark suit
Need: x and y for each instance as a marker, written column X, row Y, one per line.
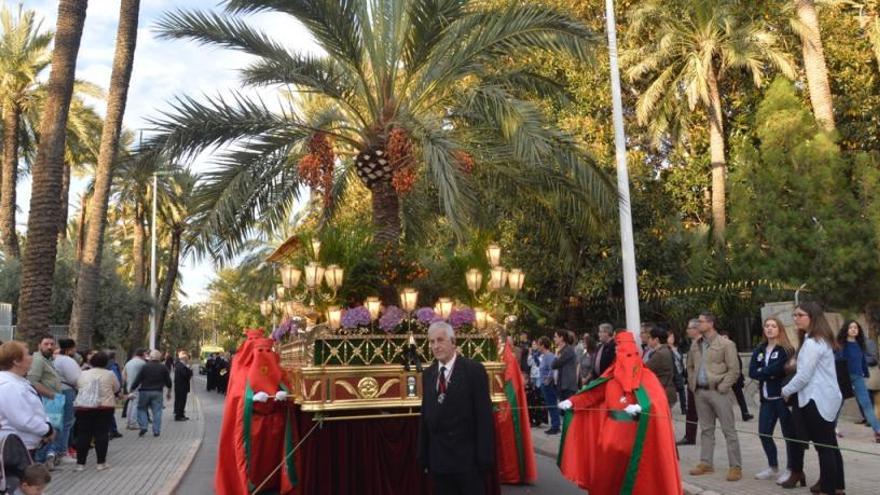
column 182, row 377
column 456, row 431
column 605, row 353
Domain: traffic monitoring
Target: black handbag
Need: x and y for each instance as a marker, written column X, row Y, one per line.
column 843, row 380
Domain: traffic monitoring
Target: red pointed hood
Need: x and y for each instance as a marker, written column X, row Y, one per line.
column 627, row 367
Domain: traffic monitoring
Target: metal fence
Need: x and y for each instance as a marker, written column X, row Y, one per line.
column 7, row 332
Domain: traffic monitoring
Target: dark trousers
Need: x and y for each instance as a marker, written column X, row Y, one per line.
column 179, row 403
column 741, row 399
column 551, row 402
column 565, row 394
column 92, row 424
column 771, row 412
column 683, row 399
column 467, row 483
column 822, row 432
column 690, row 429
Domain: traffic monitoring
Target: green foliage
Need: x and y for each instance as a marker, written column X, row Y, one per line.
column 184, row 328
column 795, row 215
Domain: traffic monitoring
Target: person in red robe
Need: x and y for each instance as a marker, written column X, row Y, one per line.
column 617, row 435
column 513, row 440
column 255, row 453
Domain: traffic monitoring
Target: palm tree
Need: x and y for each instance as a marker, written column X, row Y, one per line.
column 807, row 26
column 24, row 53
column 38, row 266
column 410, row 94
column 177, row 208
column 85, row 298
column 684, row 48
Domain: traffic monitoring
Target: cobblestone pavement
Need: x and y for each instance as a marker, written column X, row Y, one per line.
column 139, row 466
column 861, row 459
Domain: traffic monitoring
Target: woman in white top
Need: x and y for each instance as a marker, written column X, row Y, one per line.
column 818, row 394
column 94, row 406
column 21, row 410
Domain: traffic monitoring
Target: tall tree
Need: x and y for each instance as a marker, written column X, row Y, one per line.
column 410, row 93
column 38, row 265
column 807, row 26
column 684, row 49
column 90, row 269
column 177, row 209
column 24, row 53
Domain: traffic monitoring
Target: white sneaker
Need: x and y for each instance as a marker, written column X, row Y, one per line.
column 767, row 474
column 66, row 460
column 79, row 468
column 783, row 477
column 102, row 467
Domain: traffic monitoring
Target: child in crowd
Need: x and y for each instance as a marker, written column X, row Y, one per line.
column 35, row 480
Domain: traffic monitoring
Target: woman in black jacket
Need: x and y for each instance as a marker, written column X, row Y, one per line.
column 767, row 366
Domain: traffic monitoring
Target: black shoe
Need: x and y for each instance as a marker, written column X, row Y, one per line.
column 685, row 441
column 155, row 434
column 552, row 431
column 115, row 434
column 748, row 417
column 180, row 419
column 142, row 433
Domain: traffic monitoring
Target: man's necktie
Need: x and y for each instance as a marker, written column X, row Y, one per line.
column 441, row 384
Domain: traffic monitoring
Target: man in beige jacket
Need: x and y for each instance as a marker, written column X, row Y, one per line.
column 713, row 368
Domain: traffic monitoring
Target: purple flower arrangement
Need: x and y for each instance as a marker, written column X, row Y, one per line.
column 287, row 328
column 426, row 316
column 391, row 317
column 462, row 316
column 359, row 316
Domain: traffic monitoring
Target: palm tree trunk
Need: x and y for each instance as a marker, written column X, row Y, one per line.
column 81, row 228
column 8, row 237
column 814, row 64
column 719, row 163
column 136, row 339
column 86, row 294
column 386, row 214
column 170, row 278
column 38, row 266
column 65, row 203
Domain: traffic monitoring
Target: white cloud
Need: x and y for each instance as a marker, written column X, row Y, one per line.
column 162, row 69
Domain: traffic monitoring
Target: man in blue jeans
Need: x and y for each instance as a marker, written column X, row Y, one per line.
column 68, row 372
column 154, row 376
column 548, row 384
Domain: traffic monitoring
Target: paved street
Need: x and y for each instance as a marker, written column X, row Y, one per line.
column 139, row 466
column 199, row 479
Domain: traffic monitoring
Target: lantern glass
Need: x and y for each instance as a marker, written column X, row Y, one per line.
column 474, row 279
column 497, row 277
column 290, row 276
column 314, row 274
column 408, row 299
column 334, row 317
column 333, row 276
column 515, row 279
column 444, row 307
column 493, row 253
column 373, row 305
column 480, row 318
column 316, row 248
column 279, row 292
column 266, row 308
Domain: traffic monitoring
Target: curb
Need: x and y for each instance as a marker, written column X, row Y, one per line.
column 176, row 477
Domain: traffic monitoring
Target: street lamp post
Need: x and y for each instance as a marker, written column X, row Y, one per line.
column 153, row 319
column 628, row 251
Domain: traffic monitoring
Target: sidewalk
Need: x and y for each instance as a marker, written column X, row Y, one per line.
column 139, row 466
column 862, row 468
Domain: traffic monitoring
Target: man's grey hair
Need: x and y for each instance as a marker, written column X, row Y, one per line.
column 607, row 328
column 155, row 355
column 442, row 325
column 694, row 322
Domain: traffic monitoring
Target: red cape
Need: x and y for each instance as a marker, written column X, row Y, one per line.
column 513, row 439
column 255, row 437
column 607, row 452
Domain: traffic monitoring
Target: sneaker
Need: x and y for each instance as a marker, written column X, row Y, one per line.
column 66, row 460
column 783, row 477
column 735, row 473
column 79, row 468
column 701, row 469
column 102, row 467
column 50, row 461
column 767, row 474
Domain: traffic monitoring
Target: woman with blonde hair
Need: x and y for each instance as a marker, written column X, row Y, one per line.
column 767, row 366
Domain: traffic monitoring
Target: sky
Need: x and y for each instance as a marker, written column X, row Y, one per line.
column 162, row 69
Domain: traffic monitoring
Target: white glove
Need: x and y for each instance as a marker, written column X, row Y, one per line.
column 261, row 397
column 281, row 395
column 564, row 405
column 633, row 409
